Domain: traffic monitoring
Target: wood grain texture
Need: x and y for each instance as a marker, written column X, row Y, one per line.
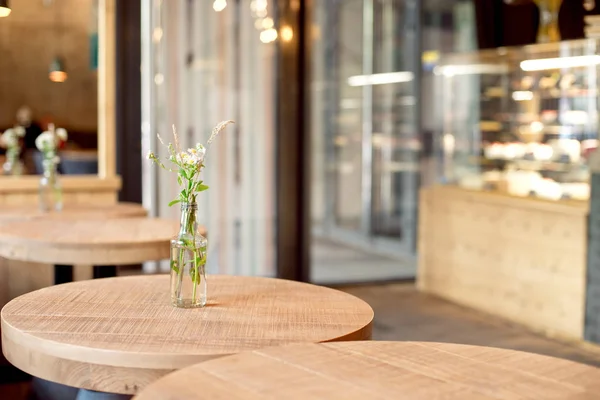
column 519, row 258
column 120, row 334
column 73, row 211
column 380, row 370
column 97, row 242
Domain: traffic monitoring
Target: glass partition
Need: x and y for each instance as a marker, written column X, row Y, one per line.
column 372, row 129
column 365, row 139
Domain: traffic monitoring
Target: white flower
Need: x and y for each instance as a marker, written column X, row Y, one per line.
column 9, row 139
column 19, row 131
column 62, row 134
column 45, row 141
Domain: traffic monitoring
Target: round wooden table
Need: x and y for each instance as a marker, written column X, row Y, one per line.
column 380, row 370
column 103, row 243
column 118, row 210
column 98, row 242
column 120, row 334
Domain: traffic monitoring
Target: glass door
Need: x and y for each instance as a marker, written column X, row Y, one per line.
column 365, row 139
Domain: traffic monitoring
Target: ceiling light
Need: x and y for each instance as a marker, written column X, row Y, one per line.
column 380, row 79
column 58, row 71
column 219, row 5
column 286, row 33
column 268, row 36
column 4, row 8
column 558, row 63
column 470, row 69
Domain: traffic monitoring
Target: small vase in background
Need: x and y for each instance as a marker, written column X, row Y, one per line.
column 13, row 166
column 50, row 188
column 51, row 198
column 11, row 140
column 188, row 260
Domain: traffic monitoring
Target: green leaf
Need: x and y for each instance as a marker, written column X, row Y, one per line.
column 174, row 202
column 201, row 188
column 179, row 180
column 174, row 266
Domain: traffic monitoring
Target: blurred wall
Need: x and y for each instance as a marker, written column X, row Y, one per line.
column 30, row 37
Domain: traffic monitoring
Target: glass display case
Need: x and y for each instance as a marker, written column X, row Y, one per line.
column 520, row 120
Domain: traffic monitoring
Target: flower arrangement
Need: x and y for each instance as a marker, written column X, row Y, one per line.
column 50, row 189
column 188, row 249
column 188, row 164
column 48, row 142
column 11, row 140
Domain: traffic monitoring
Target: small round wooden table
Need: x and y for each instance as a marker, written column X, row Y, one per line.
column 103, row 243
column 64, row 273
column 380, row 370
column 120, row 334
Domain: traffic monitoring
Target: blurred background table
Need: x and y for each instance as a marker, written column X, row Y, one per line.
column 104, row 242
column 120, row 334
column 380, row 370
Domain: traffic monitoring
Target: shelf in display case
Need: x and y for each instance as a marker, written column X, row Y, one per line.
column 539, row 129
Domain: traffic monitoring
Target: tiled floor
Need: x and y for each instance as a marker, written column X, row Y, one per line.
column 402, row 313
column 333, row 263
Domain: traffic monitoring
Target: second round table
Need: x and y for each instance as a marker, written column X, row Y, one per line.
column 380, row 370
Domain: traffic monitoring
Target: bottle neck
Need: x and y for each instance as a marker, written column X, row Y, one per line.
column 49, row 169
column 188, row 219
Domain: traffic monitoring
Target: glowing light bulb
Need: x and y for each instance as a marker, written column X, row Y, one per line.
column 268, row 36
column 219, row 5
column 286, row 33
column 157, row 34
column 267, row 23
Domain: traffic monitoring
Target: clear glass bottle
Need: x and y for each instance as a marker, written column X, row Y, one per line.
column 50, row 188
column 188, row 261
column 13, row 165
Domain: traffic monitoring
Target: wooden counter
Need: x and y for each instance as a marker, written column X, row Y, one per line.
column 77, row 189
column 522, row 259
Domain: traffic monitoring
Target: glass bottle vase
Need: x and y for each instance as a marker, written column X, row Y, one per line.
column 50, row 188
column 13, row 165
column 188, row 261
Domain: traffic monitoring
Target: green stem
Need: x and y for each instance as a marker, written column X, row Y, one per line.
column 195, row 255
column 195, row 280
column 180, row 274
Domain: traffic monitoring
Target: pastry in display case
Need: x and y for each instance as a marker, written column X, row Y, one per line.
column 521, row 120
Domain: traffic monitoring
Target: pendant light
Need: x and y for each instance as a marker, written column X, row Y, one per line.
column 57, row 70
column 4, row 8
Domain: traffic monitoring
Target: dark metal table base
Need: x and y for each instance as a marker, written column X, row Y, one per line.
column 64, row 273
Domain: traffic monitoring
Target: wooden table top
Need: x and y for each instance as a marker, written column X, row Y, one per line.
column 71, row 212
column 120, row 334
column 380, row 370
column 118, row 241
